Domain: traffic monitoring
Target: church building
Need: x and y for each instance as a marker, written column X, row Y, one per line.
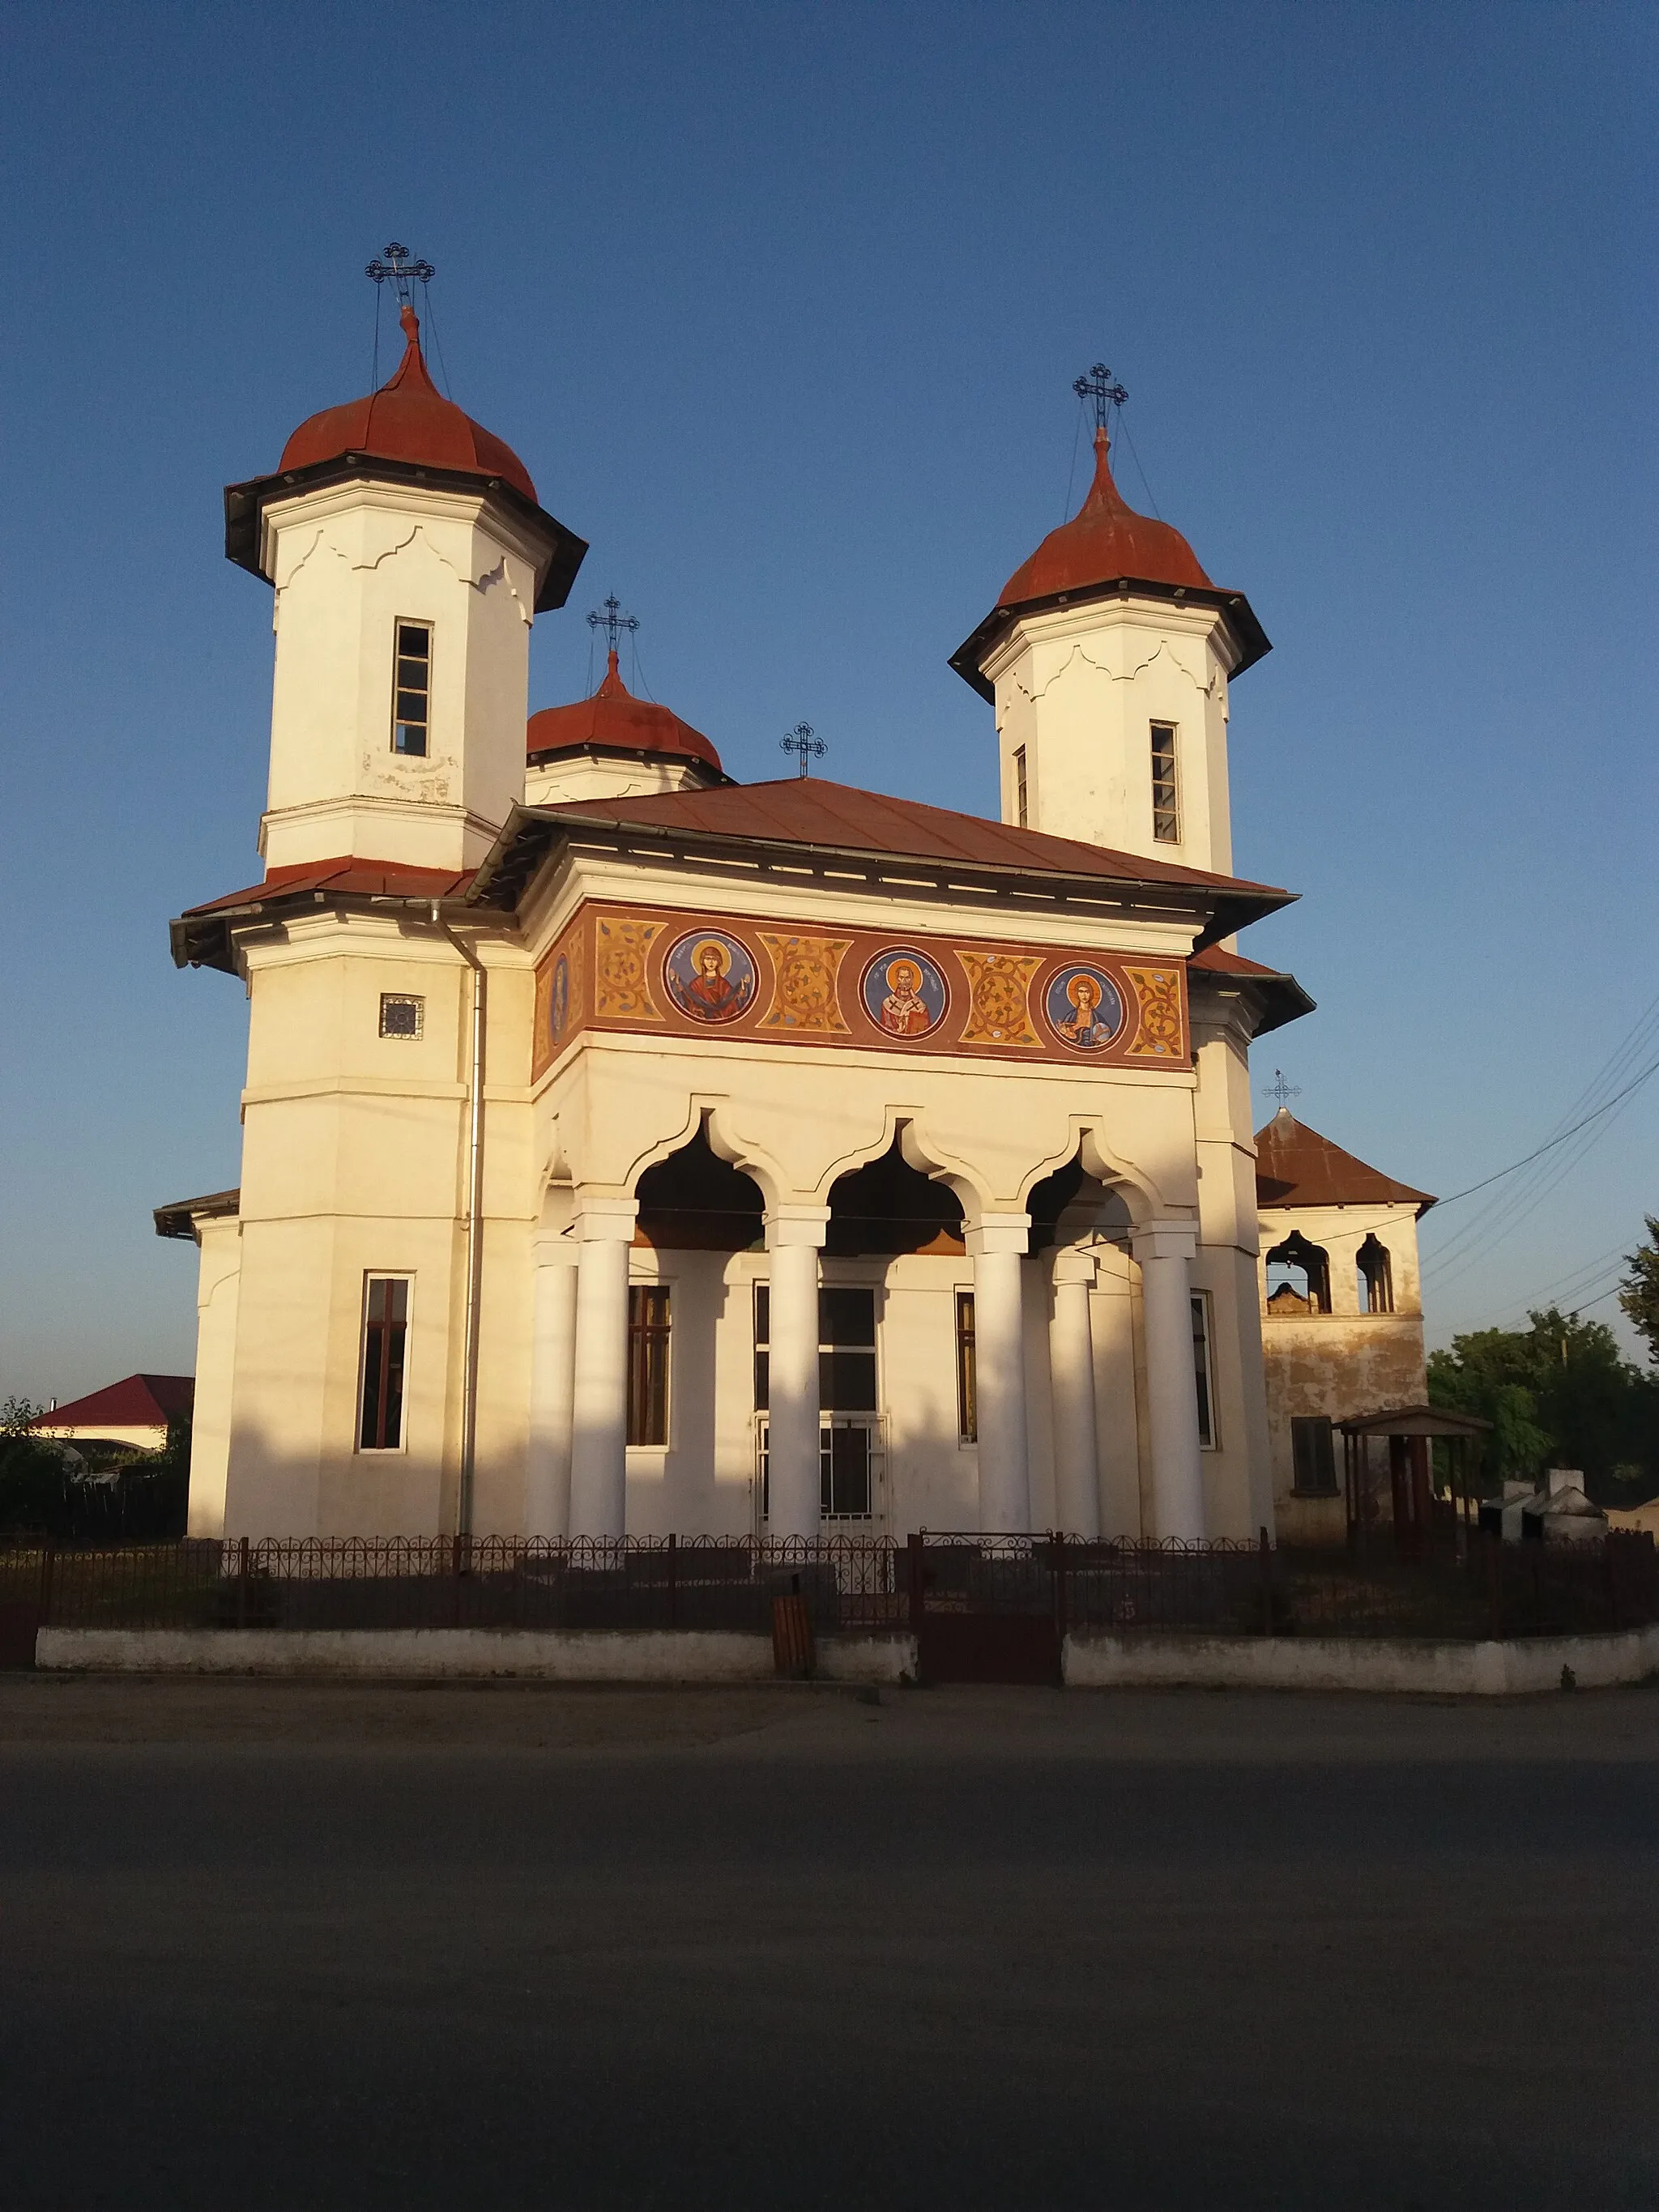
column 629, row 1149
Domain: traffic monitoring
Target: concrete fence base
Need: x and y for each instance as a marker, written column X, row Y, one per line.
column 1342, row 1662
column 523, row 1655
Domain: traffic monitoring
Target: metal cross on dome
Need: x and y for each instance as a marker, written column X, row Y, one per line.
column 1102, row 387
column 1279, row 1089
column 397, row 263
column 611, row 620
column 806, row 746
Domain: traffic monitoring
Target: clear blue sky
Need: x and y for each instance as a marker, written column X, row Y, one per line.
column 781, row 306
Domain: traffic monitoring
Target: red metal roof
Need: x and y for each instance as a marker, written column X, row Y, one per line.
column 616, row 721
column 1220, row 961
column 1295, row 1166
column 1104, row 539
column 137, row 1402
column 364, row 879
column 408, row 419
column 810, row 810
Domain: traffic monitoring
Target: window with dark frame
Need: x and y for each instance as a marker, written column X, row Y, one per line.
column 401, row 1015
column 647, row 1363
column 411, row 689
column 386, row 1330
column 1022, row 795
column 967, row 1376
column 1201, row 1370
column 1166, row 809
column 1313, row 1455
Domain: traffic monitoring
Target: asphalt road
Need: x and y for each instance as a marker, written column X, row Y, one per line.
column 282, row 1946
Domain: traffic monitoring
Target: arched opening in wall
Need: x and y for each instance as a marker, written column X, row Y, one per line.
column 695, row 1201
column 1069, row 1205
column 887, row 1207
column 1376, row 1284
column 1298, row 1276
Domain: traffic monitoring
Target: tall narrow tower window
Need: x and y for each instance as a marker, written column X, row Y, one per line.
column 411, row 688
column 1166, row 809
column 1022, row 798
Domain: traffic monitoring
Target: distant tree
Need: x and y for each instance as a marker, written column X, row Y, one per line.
column 1638, row 1294
column 1558, row 1392
column 34, row 1471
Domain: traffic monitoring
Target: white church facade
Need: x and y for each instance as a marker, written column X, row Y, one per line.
column 630, row 1151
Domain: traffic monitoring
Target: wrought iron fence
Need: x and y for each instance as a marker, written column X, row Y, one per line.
column 1481, row 1587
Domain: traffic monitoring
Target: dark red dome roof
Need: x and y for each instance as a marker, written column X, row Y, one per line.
column 1104, row 540
column 408, row 419
column 615, row 720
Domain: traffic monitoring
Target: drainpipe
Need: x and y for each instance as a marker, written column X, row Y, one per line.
column 474, row 1225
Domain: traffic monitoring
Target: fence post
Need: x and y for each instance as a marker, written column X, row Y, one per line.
column 1495, row 1586
column 672, row 1612
column 241, row 1582
column 1059, row 1587
column 1265, row 1554
column 912, row 1552
column 48, row 1577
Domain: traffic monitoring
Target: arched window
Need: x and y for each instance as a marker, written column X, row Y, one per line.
column 1376, row 1278
column 1298, row 1276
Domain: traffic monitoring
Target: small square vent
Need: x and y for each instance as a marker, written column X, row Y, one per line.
column 401, row 1017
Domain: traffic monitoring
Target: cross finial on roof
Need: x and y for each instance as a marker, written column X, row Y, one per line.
column 1279, row 1089
column 1102, row 387
column 613, row 620
column 397, row 263
column 805, row 745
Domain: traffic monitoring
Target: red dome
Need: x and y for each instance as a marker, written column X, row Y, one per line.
column 1104, row 540
column 616, row 721
column 408, row 419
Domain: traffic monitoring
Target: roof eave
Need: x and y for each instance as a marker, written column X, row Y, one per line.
column 591, row 749
column 1253, row 642
column 531, row 832
column 245, row 504
column 1278, row 997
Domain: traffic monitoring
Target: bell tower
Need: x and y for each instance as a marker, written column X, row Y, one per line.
column 1109, row 657
column 410, row 556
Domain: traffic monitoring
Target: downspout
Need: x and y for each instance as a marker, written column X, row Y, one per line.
column 474, row 1226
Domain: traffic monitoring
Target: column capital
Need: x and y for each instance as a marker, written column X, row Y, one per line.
column 606, row 1220
column 1164, row 1240
column 1073, row 1263
column 796, row 1224
column 997, row 1232
column 554, row 1247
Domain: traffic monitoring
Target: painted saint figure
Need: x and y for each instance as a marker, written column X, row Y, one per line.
column 710, row 977
column 904, row 1012
column 1084, row 1009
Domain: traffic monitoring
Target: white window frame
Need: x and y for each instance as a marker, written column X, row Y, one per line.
column 1173, row 729
column 360, row 1449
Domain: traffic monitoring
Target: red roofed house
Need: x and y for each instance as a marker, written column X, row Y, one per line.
column 134, row 1411
column 630, row 1149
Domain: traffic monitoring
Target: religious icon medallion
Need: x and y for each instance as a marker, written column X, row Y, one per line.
column 903, row 991
column 1083, row 1008
column 710, row 976
column 558, row 1007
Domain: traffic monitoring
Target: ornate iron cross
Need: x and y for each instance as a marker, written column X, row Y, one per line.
column 1100, row 386
column 397, row 263
column 1279, row 1089
column 611, row 620
column 805, row 745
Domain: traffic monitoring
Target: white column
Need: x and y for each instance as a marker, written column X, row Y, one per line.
column 598, row 1438
column 1165, row 1249
column 997, row 1242
column 1071, row 1368
column 793, row 1236
column 552, row 1380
